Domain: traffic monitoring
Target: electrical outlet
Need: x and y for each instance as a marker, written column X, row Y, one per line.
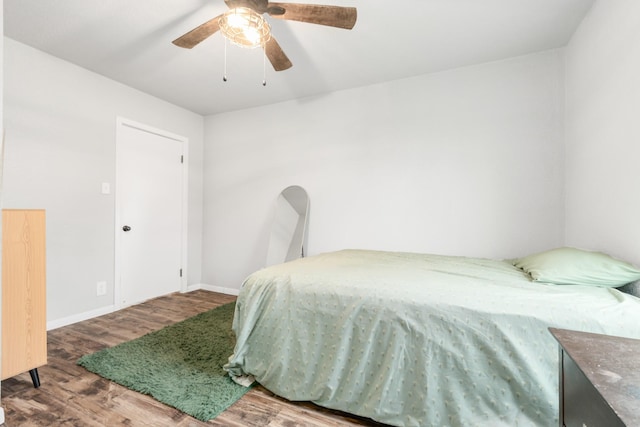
column 101, row 288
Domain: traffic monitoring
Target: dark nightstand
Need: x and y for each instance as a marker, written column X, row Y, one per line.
column 599, row 379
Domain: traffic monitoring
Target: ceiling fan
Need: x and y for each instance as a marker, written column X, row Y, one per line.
column 332, row 16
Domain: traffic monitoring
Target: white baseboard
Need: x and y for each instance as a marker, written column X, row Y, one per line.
column 211, row 288
column 65, row 321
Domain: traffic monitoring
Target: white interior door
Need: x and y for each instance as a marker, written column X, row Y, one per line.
column 149, row 213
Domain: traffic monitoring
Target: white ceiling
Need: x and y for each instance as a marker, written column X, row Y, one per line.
column 130, row 42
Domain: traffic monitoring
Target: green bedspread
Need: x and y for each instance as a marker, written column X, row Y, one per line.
column 416, row 340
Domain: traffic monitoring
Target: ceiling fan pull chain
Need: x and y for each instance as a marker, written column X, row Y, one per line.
column 224, row 75
column 264, row 66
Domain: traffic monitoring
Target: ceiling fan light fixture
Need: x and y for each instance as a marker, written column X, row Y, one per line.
column 244, row 27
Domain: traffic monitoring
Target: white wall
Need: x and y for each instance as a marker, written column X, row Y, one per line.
column 466, row 162
column 60, row 123
column 603, row 130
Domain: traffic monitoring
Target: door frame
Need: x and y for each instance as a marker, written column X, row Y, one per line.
column 184, row 141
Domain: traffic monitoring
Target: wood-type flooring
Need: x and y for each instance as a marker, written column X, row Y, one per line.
column 72, row 396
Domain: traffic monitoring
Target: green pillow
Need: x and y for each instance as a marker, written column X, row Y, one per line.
column 570, row 266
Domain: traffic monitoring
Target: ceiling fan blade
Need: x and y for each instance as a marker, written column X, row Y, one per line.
column 332, row 16
column 198, row 34
column 276, row 55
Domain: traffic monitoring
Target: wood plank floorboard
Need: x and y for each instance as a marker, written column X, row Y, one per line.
column 71, row 396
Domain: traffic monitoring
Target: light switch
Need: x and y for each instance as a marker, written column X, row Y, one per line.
column 106, row 188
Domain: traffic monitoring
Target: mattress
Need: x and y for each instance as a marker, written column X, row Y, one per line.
column 416, row 339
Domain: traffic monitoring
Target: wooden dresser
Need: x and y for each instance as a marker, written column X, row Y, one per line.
column 599, row 380
column 24, row 320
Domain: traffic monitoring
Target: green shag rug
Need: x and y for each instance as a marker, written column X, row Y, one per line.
column 180, row 365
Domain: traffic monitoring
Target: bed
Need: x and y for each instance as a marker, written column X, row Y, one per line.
column 418, row 340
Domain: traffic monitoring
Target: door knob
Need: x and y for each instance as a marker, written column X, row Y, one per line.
column 126, row 228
